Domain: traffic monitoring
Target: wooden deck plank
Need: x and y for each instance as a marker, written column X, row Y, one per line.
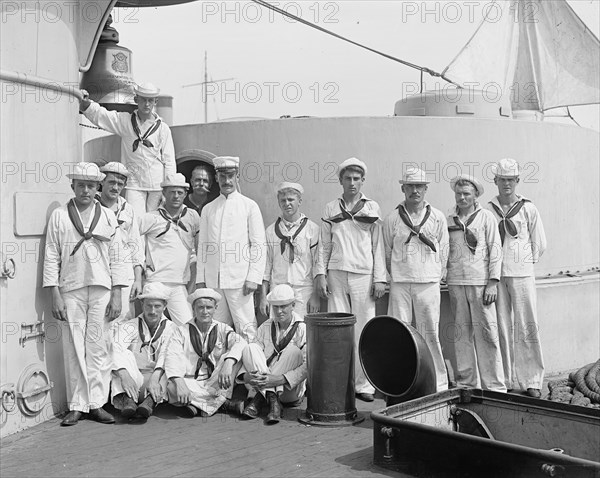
column 168, row 445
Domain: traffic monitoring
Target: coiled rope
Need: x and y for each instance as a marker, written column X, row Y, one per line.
column 581, row 388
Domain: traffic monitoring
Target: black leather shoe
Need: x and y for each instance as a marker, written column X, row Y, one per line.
column 101, row 416
column 274, row 408
column 253, row 408
column 235, row 407
column 189, row 411
column 534, row 392
column 71, row 418
column 365, row 397
column 146, row 407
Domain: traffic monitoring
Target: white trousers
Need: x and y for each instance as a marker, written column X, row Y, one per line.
column 237, row 310
column 478, row 356
column 127, row 307
column 143, row 201
column 291, row 358
column 519, row 333
column 141, row 379
column 206, row 395
column 424, row 300
column 86, row 348
column 178, row 306
column 351, row 293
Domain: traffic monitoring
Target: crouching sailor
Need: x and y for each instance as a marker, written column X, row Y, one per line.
column 275, row 364
column 202, row 360
column 139, row 381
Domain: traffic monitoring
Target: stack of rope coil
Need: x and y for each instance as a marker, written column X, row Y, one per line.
column 581, row 388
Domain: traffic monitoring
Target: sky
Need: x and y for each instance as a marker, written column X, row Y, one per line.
column 275, row 66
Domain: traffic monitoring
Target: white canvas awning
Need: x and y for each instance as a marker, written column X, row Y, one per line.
column 539, row 51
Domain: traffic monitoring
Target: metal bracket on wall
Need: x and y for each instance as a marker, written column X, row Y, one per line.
column 25, row 336
column 8, row 396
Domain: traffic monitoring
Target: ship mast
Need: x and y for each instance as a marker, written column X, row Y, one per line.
column 204, row 84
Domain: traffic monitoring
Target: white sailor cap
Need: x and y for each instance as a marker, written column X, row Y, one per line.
column 226, row 162
column 414, row 176
column 281, row 294
column 204, row 293
column 146, row 90
column 471, row 179
column 506, row 168
column 175, row 180
column 352, row 162
column 116, row 168
column 86, row 172
column 155, row 290
column 288, row 185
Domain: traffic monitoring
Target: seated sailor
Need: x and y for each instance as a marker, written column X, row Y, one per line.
column 202, row 360
column 138, row 353
column 275, row 364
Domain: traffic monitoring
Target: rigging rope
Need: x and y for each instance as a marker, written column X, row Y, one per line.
column 360, row 45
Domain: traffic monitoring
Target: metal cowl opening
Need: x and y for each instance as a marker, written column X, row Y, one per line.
column 396, row 359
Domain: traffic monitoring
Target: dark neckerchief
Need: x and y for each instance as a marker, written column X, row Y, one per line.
column 351, row 215
column 279, row 347
column 143, row 139
column 151, row 341
column 470, row 237
column 117, row 212
column 416, row 230
column 289, row 240
column 76, row 220
column 172, row 220
column 506, row 224
column 204, row 356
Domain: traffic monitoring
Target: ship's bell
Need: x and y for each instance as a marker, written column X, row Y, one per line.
column 109, row 81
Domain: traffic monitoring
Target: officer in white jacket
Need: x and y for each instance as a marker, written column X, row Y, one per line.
column 139, row 381
column 231, row 249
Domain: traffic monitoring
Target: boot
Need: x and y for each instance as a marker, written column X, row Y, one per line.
column 189, row 411
column 146, row 407
column 275, row 408
column 236, row 407
column 124, row 403
column 253, row 408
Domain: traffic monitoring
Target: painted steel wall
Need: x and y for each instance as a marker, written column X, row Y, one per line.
column 560, row 173
column 560, row 166
column 40, row 140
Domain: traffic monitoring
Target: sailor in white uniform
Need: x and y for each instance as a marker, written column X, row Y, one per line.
column 473, row 274
column 231, row 249
column 415, row 235
column 139, row 347
column 171, row 235
column 291, row 251
column 351, row 259
column 523, row 243
column 83, row 269
column 202, row 360
column 133, row 248
column 275, row 364
column 147, row 149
